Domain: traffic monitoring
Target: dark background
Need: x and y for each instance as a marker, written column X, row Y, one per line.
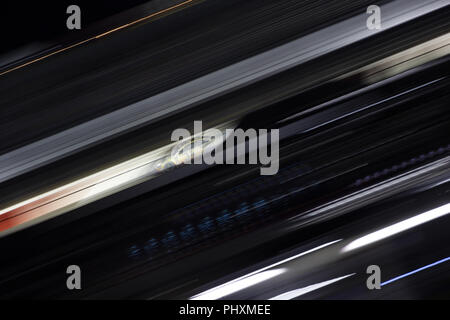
column 23, row 22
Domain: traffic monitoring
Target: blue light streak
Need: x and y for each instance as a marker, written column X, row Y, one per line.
column 415, row 271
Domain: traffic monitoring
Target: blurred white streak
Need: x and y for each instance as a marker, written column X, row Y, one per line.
column 251, row 278
column 398, row 227
column 237, row 285
column 299, row 292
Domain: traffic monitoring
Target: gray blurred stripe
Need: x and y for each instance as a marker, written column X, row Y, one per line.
column 208, row 87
